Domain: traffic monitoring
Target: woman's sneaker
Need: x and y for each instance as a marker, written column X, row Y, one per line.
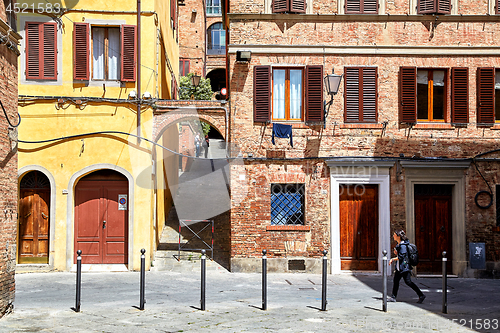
column 421, row 299
column 391, row 299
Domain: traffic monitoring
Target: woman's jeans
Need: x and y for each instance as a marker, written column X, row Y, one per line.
column 407, row 277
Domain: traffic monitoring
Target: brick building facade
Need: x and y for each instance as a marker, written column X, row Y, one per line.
column 408, row 142
column 8, row 158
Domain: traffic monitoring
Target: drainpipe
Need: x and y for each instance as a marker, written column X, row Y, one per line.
column 139, row 96
column 204, row 39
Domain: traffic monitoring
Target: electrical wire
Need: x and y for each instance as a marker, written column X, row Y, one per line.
column 7, row 117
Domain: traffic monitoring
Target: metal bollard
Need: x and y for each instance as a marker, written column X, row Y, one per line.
column 324, row 282
column 445, row 284
column 203, row 278
column 143, row 280
column 384, row 276
column 78, row 279
column 264, row 280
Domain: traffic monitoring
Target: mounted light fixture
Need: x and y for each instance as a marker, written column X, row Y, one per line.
column 332, row 84
column 243, row 56
column 146, row 95
column 195, row 80
column 132, row 94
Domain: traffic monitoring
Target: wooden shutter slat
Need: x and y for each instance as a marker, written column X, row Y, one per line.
column 353, row 6
column 49, row 51
column 485, row 95
column 370, row 6
column 426, row 6
column 408, row 94
column 460, row 95
column 352, row 95
column 298, row 6
column 369, row 94
column 443, row 6
column 129, row 52
column 33, row 53
column 281, row 6
column 497, row 4
column 81, row 49
column 314, row 93
column 262, row 94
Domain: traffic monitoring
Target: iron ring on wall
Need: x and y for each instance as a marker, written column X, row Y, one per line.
column 484, row 192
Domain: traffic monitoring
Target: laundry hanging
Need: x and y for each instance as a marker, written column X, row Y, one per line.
column 282, row 131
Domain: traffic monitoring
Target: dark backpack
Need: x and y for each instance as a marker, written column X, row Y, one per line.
column 412, row 254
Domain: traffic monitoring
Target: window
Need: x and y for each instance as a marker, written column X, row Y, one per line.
column 213, row 7
column 361, row 6
column 289, row 6
column 434, row 7
column 360, row 94
column 288, row 93
column 183, row 67
column 41, row 51
column 423, row 95
column 216, row 36
column 112, row 50
column 488, row 95
column 287, row 204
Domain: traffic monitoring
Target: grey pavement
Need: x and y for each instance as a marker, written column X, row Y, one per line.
column 233, row 304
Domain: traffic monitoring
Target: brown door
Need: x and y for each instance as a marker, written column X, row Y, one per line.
column 358, row 227
column 101, row 227
column 433, row 226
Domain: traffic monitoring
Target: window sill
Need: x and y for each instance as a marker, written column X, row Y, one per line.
column 361, row 126
column 288, row 228
column 433, row 126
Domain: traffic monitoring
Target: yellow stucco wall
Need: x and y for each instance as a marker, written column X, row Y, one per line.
column 66, row 161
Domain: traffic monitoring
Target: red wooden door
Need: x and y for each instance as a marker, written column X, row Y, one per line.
column 358, row 227
column 34, row 226
column 433, row 226
column 101, row 228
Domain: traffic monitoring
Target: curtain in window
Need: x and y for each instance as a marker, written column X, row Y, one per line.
column 114, row 54
column 98, row 53
column 279, row 94
column 497, row 80
column 295, row 93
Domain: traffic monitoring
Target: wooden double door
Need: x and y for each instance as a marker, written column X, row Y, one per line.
column 34, row 226
column 101, row 221
column 433, row 223
column 359, row 227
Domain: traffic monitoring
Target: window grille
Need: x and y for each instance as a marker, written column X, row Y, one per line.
column 287, row 204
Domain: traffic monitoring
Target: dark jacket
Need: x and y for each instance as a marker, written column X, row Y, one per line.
column 404, row 261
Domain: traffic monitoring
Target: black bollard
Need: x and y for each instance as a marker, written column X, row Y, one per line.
column 323, row 291
column 445, row 284
column 143, row 280
column 384, row 276
column 264, row 280
column 78, row 279
column 203, row 278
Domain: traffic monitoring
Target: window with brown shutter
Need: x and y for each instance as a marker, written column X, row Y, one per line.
column 360, row 94
column 431, row 94
column 262, row 94
column 408, row 95
column 129, row 52
column 314, row 94
column 81, row 50
column 434, row 7
column 361, row 6
column 41, row 51
column 486, row 96
column 289, row 6
column 459, row 95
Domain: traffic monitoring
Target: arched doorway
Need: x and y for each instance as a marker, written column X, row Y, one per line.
column 217, row 79
column 101, row 218
column 34, row 219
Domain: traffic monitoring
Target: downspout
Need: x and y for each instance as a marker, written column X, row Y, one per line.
column 228, row 96
column 139, row 96
column 204, row 39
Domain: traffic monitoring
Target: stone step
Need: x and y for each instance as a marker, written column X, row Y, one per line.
column 189, row 261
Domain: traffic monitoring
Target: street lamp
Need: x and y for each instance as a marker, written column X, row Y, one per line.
column 332, row 84
column 195, row 81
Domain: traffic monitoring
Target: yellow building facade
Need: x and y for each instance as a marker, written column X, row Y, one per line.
column 86, row 182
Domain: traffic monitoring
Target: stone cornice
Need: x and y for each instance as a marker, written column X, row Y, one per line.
column 13, row 37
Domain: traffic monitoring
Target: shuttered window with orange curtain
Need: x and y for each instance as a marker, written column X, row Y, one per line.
column 41, row 51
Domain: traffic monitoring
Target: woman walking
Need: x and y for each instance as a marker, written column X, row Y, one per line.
column 403, row 267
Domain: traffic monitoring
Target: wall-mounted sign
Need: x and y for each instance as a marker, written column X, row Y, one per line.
column 122, row 202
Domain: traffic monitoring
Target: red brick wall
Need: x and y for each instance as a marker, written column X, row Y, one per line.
column 8, row 177
column 192, row 35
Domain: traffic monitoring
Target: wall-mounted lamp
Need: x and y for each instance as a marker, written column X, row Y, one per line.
column 332, row 84
column 195, row 80
column 146, row 95
column 132, row 94
column 244, row 56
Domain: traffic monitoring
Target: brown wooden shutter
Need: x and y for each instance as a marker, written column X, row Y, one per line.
column 485, row 95
column 129, row 52
column 281, row 6
column 298, row 6
column 459, row 95
column 443, row 6
column 352, row 94
column 408, row 94
column 262, row 94
column 370, row 6
column 370, row 94
column 497, row 4
column 314, row 93
column 81, row 50
column 34, row 50
column 426, row 6
column 353, row 7
column 49, row 51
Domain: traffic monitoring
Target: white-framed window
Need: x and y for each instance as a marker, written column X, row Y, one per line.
column 213, row 7
column 106, row 53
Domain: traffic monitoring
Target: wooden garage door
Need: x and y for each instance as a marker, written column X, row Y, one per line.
column 358, row 227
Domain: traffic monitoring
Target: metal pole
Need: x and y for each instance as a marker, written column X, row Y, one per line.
column 78, row 279
column 203, row 278
column 143, row 280
column 384, row 276
column 445, row 284
column 264, row 280
column 323, row 291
